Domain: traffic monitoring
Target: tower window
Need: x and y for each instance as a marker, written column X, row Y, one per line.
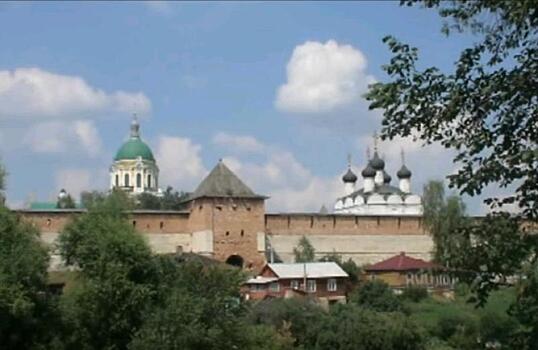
column 149, row 180
column 138, row 180
column 161, row 225
column 126, row 180
column 117, row 180
column 242, row 233
column 134, row 223
column 227, row 233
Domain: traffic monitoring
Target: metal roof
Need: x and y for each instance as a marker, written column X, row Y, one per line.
column 313, row 270
column 261, row 280
column 402, row 262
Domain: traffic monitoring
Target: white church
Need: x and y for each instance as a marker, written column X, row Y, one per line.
column 377, row 196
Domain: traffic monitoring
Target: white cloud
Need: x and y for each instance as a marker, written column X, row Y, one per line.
column 180, row 163
column 290, row 185
column 63, row 137
column 36, row 94
column 239, row 143
column 323, row 77
column 159, row 7
column 73, row 181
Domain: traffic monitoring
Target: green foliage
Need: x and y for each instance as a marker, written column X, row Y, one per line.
column 495, row 138
column 415, row 293
column 304, row 251
column 304, row 318
column 170, row 200
column 91, row 199
column 355, row 328
column 24, row 303
column 66, row 202
column 443, row 217
column 349, row 266
column 118, row 277
column 376, row 295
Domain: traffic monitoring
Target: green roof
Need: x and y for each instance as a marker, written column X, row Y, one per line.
column 134, row 148
column 42, row 205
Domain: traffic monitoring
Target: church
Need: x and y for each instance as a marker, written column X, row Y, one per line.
column 226, row 220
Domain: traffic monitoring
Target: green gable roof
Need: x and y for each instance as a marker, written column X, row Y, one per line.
column 134, row 148
column 222, row 182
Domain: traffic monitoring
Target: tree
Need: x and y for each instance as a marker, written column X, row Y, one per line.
column 66, row 202
column 304, row 251
column 349, row 266
column 2, row 183
column 443, row 217
column 25, row 306
column 173, row 200
column 354, row 328
column 486, row 109
column 89, row 199
column 118, row 277
column 148, row 201
column 376, row 295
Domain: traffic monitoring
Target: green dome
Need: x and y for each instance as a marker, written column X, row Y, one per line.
column 134, row 148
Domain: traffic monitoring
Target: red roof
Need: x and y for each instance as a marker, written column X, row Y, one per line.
column 402, row 262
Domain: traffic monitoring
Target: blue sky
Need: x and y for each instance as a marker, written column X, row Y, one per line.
column 273, row 88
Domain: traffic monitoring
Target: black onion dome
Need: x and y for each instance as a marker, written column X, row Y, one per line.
column 368, row 171
column 403, row 173
column 386, row 177
column 349, row 176
column 377, row 163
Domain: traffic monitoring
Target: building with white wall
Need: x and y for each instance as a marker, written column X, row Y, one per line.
column 377, row 196
column 134, row 168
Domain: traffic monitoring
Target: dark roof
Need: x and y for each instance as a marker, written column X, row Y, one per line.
column 377, row 163
column 403, row 173
column 222, row 182
column 402, row 262
column 349, row 176
column 386, row 177
column 368, row 171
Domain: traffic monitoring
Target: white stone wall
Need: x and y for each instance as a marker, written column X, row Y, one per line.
column 363, row 249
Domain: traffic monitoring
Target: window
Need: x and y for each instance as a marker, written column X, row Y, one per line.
column 409, row 279
column 294, row 284
column 138, row 180
column 311, row 286
column 161, row 225
column 117, row 180
column 242, row 233
column 134, row 223
column 274, row 287
column 331, row 285
column 126, row 180
column 149, row 181
column 257, row 287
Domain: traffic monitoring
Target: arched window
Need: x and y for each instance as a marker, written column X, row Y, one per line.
column 149, row 180
column 126, row 180
column 117, row 180
column 138, row 180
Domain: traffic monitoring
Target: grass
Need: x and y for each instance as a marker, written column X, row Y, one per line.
column 428, row 312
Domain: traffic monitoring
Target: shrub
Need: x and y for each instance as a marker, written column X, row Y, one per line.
column 415, row 293
column 376, row 295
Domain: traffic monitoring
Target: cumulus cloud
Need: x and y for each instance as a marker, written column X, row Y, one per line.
column 36, row 94
column 74, row 181
column 180, row 162
column 323, row 77
column 62, row 137
column 238, row 143
column 280, row 175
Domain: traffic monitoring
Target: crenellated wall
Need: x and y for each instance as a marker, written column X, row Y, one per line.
column 222, row 228
column 316, row 224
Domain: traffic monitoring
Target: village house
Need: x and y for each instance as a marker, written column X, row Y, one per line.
column 324, row 281
column 401, row 271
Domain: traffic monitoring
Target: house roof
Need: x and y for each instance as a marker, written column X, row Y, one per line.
column 222, row 182
column 261, row 280
column 313, row 270
column 402, row 262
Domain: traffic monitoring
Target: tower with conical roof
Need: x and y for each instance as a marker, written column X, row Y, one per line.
column 227, row 219
column 134, row 168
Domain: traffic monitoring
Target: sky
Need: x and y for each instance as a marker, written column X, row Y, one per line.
column 274, row 89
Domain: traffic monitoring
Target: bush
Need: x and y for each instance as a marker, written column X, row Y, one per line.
column 376, row 295
column 415, row 293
